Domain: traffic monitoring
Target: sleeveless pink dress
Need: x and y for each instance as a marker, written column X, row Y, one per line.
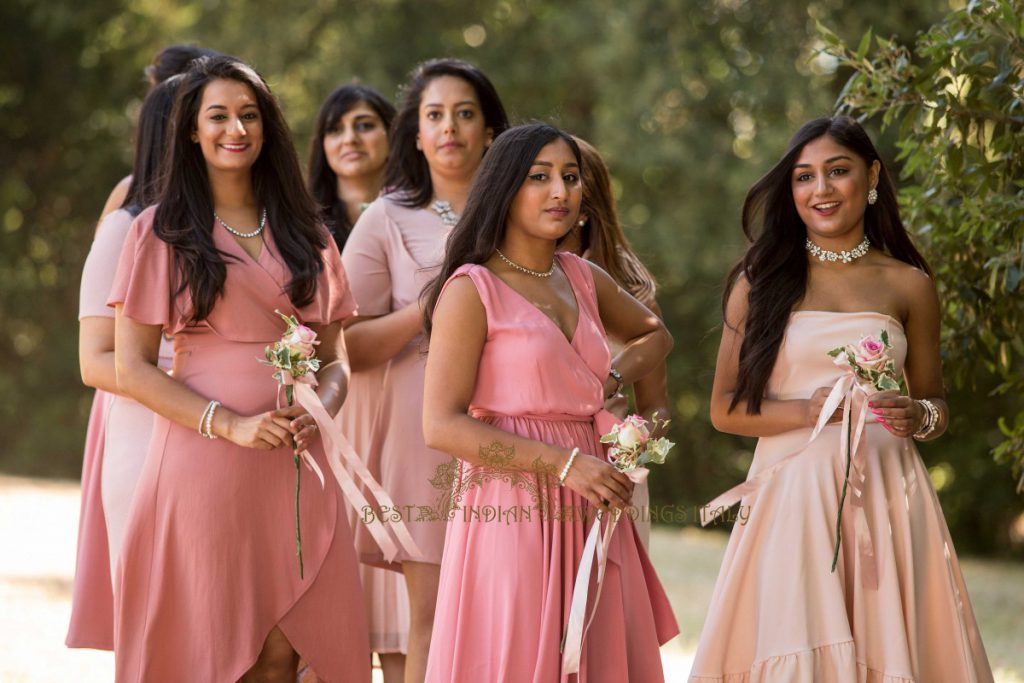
column 117, row 440
column 896, row 609
column 513, row 543
column 208, row 565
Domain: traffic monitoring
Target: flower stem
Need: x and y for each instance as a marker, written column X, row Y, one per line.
column 842, row 497
column 289, row 394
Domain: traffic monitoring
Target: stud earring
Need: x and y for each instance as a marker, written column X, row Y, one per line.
column 872, row 196
column 582, row 222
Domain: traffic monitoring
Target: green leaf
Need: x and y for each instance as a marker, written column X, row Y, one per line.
column 865, row 44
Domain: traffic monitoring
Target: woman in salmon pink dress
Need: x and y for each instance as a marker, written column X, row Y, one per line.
column 119, row 427
column 209, row 584
column 517, row 374
column 347, row 158
column 830, row 265
column 449, row 115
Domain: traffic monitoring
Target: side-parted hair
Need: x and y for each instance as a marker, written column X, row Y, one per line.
column 151, row 145
column 602, row 235
column 775, row 264
column 407, row 171
column 184, row 214
column 173, row 60
column 323, row 183
column 482, row 225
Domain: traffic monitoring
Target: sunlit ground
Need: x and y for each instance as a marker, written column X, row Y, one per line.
column 39, row 522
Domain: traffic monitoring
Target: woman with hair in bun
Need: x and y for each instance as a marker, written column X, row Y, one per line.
column 449, row 114
column 210, row 587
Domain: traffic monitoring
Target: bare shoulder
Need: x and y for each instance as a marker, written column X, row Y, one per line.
column 460, row 298
column 737, row 305
column 911, row 282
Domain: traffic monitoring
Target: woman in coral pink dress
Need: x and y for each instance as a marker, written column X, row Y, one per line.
column 829, row 264
column 518, row 368
column 119, row 427
column 449, row 115
column 346, row 171
column 209, row 587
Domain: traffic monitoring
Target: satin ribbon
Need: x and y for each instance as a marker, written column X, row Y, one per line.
column 853, row 396
column 597, row 545
column 336, row 448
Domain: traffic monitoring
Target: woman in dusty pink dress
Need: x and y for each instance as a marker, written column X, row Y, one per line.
column 449, row 115
column 348, row 154
column 119, row 427
column 830, row 262
column 518, row 369
column 209, row 585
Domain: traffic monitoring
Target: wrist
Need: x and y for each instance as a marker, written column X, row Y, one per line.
column 223, row 424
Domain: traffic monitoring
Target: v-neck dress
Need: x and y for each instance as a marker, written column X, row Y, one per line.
column 391, row 255
column 515, row 539
column 208, row 565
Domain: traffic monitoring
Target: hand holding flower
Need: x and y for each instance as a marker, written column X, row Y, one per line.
column 900, row 415
column 815, row 404
column 600, row 483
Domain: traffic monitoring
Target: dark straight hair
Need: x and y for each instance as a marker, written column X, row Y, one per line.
column 323, row 183
column 407, row 171
column 482, row 225
column 173, row 60
column 151, row 145
column 184, row 214
column 775, row 264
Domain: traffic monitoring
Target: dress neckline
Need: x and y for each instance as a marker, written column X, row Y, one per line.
column 875, row 313
column 575, row 295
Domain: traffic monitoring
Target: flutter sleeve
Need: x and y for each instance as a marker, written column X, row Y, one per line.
column 366, row 260
column 101, row 265
column 143, row 281
column 333, row 300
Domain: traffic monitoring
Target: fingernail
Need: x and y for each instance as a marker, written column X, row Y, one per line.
column 882, row 420
column 871, row 404
column 876, row 412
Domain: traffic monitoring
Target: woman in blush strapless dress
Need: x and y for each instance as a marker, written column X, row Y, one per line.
column 518, row 342
column 831, row 264
column 208, row 584
column 119, row 427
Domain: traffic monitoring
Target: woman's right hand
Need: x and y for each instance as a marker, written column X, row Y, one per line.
column 816, row 402
column 599, row 482
column 264, row 431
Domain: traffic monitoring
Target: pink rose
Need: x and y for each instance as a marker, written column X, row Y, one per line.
column 301, row 341
column 870, row 353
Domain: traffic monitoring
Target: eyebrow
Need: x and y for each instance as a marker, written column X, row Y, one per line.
column 827, row 161
column 221, row 106
column 551, row 165
column 457, row 104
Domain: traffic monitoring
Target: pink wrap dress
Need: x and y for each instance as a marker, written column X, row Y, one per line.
column 896, row 610
column 208, row 565
column 514, row 543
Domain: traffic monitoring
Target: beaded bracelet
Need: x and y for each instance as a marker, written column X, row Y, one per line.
column 202, row 419
column 568, row 464
column 931, row 420
column 206, row 424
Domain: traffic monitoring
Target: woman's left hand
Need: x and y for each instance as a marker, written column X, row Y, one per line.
column 901, row 415
column 303, row 425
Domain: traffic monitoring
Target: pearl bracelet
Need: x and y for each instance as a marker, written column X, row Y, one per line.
column 931, row 420
column 568, row 464
column 206, row 421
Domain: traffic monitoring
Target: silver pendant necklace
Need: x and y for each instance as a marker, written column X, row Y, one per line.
column 444, row 209
column 239, row 233
column 524, row 269
column 843, row 256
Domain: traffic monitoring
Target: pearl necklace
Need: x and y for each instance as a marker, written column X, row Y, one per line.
column 444, row 209
column 524, row 269
column 844, row 256
column 254, row 233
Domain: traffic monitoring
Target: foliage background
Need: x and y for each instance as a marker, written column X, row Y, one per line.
column 689, row 100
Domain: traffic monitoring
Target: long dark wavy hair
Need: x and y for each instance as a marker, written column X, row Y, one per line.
column 323, row 183
column 775, row 264
column 602, row 235
column 184, row 214
column 482, row 225
column 151, row 145
column 407, row 170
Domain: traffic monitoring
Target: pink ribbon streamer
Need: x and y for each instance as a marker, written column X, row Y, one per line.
column 853, row 396
column 597, row 545
column 336, row 448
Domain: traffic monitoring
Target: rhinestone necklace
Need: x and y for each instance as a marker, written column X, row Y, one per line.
column 524, row 269
column 844, row 256
column 444, row 209
column 254, row 233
